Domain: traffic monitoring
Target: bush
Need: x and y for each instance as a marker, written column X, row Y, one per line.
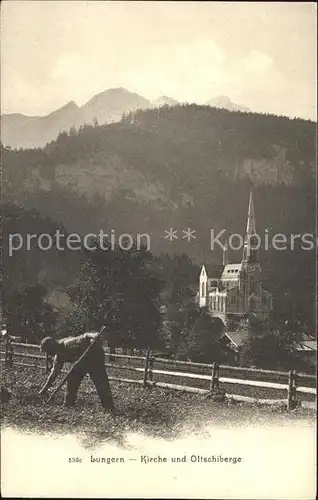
column 202, row 342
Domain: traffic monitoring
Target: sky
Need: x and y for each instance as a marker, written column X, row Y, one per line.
column 261, row 55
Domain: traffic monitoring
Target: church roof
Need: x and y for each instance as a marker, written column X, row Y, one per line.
column 231, row 271
column 230, row 286
column 214, row 270
column 237, row 338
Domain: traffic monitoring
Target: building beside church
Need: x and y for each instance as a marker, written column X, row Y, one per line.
column 237, row 291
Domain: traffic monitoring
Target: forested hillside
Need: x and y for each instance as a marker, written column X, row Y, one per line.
column 179, row 167
column 28, row 265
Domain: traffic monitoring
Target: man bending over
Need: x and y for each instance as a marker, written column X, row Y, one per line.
column 70, row 349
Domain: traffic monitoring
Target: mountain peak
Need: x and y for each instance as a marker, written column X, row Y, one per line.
column 114, row 93
column 70, row 106
column 165, row 100
column 224, row 102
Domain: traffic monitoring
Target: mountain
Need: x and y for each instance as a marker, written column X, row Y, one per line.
column 12, row 127
column 110, row 105
column 21, row 131
column 225, row 102
column 180, row 167
column 164, row 101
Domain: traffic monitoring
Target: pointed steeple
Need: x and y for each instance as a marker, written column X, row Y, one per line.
column 225, row 254
column 249, row 251
column 250, row 226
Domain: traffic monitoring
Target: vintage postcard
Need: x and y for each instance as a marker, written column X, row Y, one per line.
column 158, row 252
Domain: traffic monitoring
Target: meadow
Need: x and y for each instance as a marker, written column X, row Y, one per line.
column 153, row 411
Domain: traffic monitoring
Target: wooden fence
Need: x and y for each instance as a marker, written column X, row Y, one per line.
column 289, row 388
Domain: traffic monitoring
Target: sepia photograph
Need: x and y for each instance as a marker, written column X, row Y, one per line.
column 158, row 249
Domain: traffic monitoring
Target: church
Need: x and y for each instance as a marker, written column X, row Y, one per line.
column 237, row 292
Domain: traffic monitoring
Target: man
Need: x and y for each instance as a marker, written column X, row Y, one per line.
column 70, row 349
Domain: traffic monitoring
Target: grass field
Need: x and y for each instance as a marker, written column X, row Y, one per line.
column 153, row 411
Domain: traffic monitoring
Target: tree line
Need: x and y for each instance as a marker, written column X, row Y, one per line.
column 146, row 302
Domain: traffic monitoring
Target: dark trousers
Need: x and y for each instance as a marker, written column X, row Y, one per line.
column 95, row 367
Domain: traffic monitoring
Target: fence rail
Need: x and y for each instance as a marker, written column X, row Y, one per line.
column 148, row 367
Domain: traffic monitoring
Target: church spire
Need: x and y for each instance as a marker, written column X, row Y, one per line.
column 249, row 252
column 225, row 254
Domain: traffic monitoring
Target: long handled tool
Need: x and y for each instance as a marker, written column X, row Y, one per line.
column 77, row 362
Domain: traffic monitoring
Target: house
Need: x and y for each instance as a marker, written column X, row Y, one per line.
column 307, row 349
column 232, row 342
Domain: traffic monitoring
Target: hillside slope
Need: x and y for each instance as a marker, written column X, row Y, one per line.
column 28, row 266
column 180, row 167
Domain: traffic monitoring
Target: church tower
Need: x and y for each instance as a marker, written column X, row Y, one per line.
column 250, row 253
column 251, row 268
column 237, row 291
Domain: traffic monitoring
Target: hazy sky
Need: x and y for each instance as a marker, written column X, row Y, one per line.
column 262, row 55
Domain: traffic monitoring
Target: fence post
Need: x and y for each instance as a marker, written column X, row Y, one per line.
column 6, row 350
column 291, row 400
column 112, row 351
column 217, row 375
column 8, row 360
column 212, row 382
column 150, row 368
column 144, row 382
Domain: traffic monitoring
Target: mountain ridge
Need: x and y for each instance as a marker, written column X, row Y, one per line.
column 24, row 131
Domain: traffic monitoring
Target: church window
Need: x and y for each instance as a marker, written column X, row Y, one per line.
column 203, row 290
